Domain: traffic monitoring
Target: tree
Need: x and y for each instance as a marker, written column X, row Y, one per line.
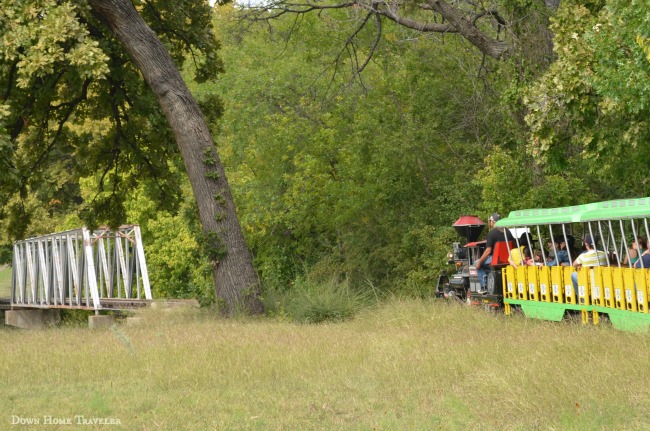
column 589, row 112
column 484, row 24
column 55, row 78
column 352, row 180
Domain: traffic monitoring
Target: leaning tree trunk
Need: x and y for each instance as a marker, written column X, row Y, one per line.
column 236, row 282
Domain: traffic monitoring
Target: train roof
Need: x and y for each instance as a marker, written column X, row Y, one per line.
column 620, row 209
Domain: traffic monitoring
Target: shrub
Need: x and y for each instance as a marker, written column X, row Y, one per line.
column 312, row 301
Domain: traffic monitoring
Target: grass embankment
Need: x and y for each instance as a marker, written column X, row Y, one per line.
column 403, row 366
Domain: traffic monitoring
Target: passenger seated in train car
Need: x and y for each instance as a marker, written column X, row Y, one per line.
column 571, row 246
column 537, row 259
column 518, row 255
column 528, row 259
column 534, row 260
column 558, row 256
column 589, row 258
column 638, row 248
column 645, row 260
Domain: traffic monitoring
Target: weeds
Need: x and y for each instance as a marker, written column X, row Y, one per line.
column 313, row 301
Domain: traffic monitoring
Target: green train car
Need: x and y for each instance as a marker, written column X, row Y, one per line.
column 605, row 273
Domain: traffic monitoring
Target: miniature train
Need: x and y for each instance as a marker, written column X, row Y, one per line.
column 616, row 289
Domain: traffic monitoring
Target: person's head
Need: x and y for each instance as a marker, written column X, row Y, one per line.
column 559, row 243
column 495, row 217
column 538, row 255
column 641, row 244
column 591, row 242
column 525, row 240
column 571, row 242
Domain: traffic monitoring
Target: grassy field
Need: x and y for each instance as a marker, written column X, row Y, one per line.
column 406, row 365
column 5, row 282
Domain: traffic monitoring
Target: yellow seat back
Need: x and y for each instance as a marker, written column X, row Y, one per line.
column 629, row 290
column 545, row 284
column 522, row 292
column 597, row 296
column 510, row 282
column 641, row 284
column 608, row 287
column 583, row 285
column 533, row 283
column 619, row 288
column 569, row 294
column 557, row 284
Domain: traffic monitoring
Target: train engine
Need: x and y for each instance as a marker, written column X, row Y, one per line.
column 464, row 284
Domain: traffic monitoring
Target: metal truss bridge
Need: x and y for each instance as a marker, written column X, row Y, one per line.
column 81, row 269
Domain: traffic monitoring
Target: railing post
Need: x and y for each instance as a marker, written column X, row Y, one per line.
column 90, row 262
column 143, row 264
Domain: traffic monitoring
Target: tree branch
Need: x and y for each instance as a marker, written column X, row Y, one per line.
column 454, row 20
column 374, row 45
column 385, row 9
column 490, row 47
column 10, row 79
column 71, row 105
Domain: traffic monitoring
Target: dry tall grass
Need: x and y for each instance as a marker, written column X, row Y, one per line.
column 407, row 365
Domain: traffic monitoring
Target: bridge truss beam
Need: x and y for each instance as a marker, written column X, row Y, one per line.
column 79, row 268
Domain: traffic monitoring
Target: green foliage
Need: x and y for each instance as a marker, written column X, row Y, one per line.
column 331, row 175
column 178, row 266
column 185, row 26
column 75, row 318
column 38, row 37
column 213, row 247
column 311, row 301
column 209, row 157
column 83, row 140
column 213, row 175
column 336, row 175
column 589, row 113
column 6, row 254
column 508, row 184
column 75, row 107
column 422, row 258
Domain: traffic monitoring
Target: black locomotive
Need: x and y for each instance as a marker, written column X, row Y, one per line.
column 463, row 284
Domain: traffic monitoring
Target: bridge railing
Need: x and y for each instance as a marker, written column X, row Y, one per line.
column 78, row 268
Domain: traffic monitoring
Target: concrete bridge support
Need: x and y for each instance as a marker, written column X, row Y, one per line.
column 100, row 321
column 32, row 319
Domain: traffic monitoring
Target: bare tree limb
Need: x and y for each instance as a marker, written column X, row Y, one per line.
column 490, row 47
column 373, row 47
column 454, row 19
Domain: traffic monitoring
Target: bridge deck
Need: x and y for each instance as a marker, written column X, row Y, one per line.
column 107, row 304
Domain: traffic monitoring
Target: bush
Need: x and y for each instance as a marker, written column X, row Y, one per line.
column 312, row 301
column 70, row 317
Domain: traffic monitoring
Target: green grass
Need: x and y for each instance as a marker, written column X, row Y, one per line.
column 406, row 365
column 5, row 282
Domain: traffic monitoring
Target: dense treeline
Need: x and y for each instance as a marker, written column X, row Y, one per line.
column 352, row 178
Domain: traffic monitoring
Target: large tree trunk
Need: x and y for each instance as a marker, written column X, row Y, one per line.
column 236, row 282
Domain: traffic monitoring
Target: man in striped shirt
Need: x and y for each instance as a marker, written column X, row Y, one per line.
column 591, row 257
